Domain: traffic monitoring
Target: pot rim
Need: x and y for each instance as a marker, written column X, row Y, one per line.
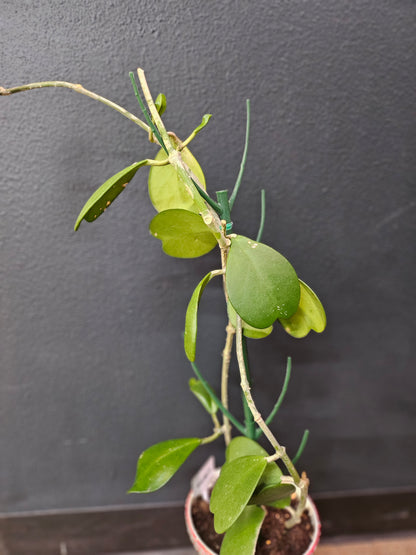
column 202, row 548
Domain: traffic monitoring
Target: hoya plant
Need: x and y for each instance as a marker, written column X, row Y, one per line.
column 261, row 290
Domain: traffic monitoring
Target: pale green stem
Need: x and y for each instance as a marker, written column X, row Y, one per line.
column 212, row 437
column 79, row 89
column 226, row 359
column 300, row 482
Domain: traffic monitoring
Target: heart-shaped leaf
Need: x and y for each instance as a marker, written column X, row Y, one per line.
column 158, row 463
column 166, row 188
column 183, row 233
column 242, row 537
column 262, row 285
column 202, row 395
column 233, row 489
column 104, row 195
column 242, row 446
column 248, row 331
column 310, row 314
column 191, row 318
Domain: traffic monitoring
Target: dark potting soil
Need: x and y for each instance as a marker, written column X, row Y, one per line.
column 274, row 538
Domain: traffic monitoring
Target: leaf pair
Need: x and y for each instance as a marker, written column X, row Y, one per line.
column 263, row 287
column 245, row 479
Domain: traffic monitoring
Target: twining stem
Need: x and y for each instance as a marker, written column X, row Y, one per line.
column 79, row 89
column 302, row 483
column 226, row 359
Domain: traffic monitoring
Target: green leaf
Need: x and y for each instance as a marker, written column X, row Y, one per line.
column 205, row 120
column 183, row 233
column 167, row 190
column 262, row 285
column 281, row 503
column 202, row 395
column 310, row 314
column 242, row 446
column 158, row 463
column 269, row 494
column 160, row 103
column 233, row 489
column 242, row 537
column 104, row 195
column 248, row 331
column 191, row 318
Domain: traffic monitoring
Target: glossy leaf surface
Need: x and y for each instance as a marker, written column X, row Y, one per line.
column 233, row 489
column 248, row 331
column 191, row 318
column 158, row 463
column 183, row 233
column 310, row 314
column 242, row 446
column 105, row 195
column 167, row 190
column 262, row 285
column 242, row 537
column 269, row 494
column 203, row 397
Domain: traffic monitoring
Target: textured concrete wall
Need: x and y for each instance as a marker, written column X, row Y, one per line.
column 91, row 322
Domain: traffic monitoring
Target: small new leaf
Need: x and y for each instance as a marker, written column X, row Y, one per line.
column 105, row 195
column 205, row 120
column 233, row 489
column 158, row 463
column 160, row 103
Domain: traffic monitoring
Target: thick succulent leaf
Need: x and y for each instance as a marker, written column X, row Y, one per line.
column 167, row 190
column 242, row 446
column 233, row 489
column 269, row 494
column 183, row 233
column 160, row 103
column 248, row 331
column 262, row 285
column 242, row 537
column 203, row 397
column 191, row 318
column 104, row 195
column 310, row 314
column 158, row 463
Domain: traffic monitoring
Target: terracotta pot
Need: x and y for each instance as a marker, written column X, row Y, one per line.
column 203, row 549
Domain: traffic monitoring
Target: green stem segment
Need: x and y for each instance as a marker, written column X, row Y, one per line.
column 243, row 161
column 79, row 89
column 218, row 403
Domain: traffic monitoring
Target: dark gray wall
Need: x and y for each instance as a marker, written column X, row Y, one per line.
column 92, row 365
